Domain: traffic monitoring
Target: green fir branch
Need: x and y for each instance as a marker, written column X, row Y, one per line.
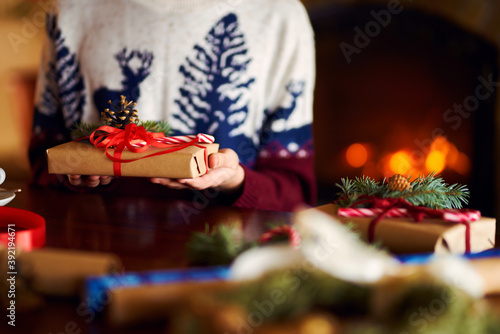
column 153, row 126
column 217, row 247
column 82, row 129
column 429, row 191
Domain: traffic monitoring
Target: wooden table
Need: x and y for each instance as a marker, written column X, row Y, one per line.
column 146, row 231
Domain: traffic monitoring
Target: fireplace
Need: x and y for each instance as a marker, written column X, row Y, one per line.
column 403, row 91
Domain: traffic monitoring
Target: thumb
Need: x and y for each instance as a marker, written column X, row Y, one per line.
column 215, row 160
column 224, row 158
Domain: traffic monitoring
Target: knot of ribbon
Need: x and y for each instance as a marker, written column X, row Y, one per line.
column 136, row 139
column 380, row 208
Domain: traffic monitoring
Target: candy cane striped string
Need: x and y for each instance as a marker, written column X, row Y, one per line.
column 200, row 138
column 451, row 215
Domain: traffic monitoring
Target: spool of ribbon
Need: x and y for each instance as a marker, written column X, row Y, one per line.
column 380, row 208
column 136, row 139
column 21, row 229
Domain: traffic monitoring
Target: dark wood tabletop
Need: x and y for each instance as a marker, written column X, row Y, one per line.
column 145, row 230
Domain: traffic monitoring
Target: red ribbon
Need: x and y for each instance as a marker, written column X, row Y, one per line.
column 285, row 230
column 416, row 212
column 136, row 139
column 23, row 229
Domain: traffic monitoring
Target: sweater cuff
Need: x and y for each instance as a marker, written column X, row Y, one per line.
column 249, row 198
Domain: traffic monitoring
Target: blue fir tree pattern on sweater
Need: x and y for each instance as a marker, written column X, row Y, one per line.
column 132, row 78
column 212, row 97
column 64, row 91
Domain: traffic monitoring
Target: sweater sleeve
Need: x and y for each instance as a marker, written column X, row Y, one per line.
column 55, row 87
column 48, row 129
column 281, row 185
column 283, row 175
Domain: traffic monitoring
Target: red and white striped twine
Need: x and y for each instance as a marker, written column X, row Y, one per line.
column 451, row 215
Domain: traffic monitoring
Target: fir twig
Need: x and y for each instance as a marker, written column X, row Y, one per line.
column 433, row 192
column 83, row 129
column 123, row 114
column 153, row 126
column 217, row 247
column 430, row 191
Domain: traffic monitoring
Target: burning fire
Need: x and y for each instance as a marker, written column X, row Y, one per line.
column 440, row 155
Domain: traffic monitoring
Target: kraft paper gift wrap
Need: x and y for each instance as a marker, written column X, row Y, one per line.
column 404, row 235
column 84, row 159
column 62, row 272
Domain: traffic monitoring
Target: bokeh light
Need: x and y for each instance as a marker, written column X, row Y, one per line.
column 356, row 155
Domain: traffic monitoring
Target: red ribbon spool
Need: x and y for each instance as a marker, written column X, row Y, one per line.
column 28, row 228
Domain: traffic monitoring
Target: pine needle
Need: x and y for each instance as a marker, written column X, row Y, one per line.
column 82, row 129
column 218, row 247
column 429, row 191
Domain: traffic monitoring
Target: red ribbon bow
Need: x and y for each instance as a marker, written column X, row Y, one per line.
column 136, row 139
column 418, row 213
column 282, row 231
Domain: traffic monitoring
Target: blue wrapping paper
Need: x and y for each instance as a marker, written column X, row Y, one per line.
column 97, row 287
column 424, row 258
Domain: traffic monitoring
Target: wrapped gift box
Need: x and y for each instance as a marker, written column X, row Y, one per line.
column 84, row 159
column 401, row 235
column 62, row 272
column 132, row 298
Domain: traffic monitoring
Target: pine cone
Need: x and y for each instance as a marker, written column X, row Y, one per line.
column 399, row 182
column 123, row 114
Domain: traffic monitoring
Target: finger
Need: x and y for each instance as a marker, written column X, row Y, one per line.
column 105, row 180
column 93, row 181
column 169, row 183
column 198, row 184
column 75, row 180
column 213, row 178
column 158, row 180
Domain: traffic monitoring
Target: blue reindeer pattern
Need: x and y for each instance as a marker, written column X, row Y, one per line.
column 132, row 78
column 287, row 142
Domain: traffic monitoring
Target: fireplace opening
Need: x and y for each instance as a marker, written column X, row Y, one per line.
column 407, row 93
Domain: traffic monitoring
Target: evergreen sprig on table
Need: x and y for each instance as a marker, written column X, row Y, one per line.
column 429, row 191
column 217, row 247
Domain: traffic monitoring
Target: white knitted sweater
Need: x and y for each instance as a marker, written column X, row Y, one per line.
column 241, row 70
column 261, row 49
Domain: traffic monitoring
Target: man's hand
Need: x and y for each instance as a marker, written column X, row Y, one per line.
column 226, row 173
column 89, row 181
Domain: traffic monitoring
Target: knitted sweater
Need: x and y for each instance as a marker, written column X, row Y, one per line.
column 240, row 70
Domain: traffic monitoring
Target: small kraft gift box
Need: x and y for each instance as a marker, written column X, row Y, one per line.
column 123, row 146
column 405, row 217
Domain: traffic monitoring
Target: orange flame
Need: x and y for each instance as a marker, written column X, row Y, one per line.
column 441, row 155
column 357, row 155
